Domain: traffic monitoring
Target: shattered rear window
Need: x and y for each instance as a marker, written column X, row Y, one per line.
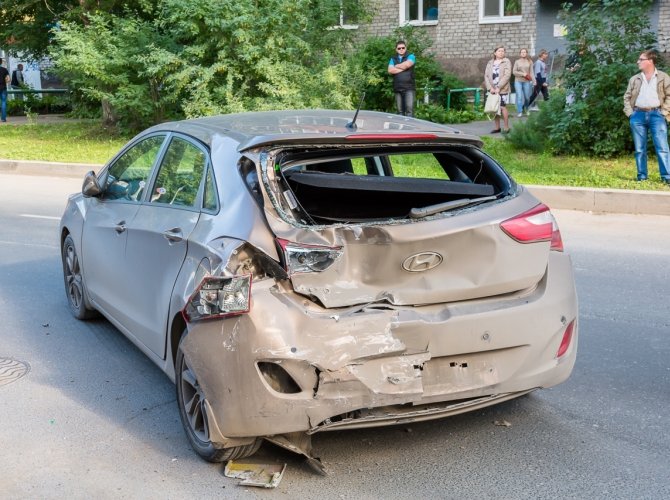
column 331, row 186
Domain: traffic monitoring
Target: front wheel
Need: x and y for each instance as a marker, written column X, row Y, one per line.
column 74, row 281
column 190, row 400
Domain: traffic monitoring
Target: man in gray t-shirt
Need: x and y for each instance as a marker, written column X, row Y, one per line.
column 540, row 68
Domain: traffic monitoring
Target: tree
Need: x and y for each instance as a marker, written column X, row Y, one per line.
column 198, row 57
column 26, row 25
column 604, row 39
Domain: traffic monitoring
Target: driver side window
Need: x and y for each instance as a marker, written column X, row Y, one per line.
column 127, row 177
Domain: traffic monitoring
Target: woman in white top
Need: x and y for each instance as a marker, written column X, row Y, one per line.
column 496, row 77
column 524, row 81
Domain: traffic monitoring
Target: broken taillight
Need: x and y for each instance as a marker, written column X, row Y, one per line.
column 218, row 297
column 565, row 341
column 300, row 258
column 536, row 224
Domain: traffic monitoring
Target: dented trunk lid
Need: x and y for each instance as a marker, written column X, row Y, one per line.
column 447, row 257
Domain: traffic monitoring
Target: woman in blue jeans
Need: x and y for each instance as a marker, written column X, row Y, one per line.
column 524, row 81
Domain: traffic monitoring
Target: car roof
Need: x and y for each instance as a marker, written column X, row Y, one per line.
column 321, row 126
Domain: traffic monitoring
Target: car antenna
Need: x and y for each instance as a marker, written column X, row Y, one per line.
column 352, row 124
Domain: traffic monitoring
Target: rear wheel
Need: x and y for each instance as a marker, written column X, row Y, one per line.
column 74, row 281
column 190, row 400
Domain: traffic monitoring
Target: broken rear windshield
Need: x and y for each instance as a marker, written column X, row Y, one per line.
column 340, row 186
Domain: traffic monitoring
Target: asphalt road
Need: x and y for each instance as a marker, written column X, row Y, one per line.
column 93, row 418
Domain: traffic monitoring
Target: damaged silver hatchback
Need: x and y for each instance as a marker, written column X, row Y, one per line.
column 295, row 273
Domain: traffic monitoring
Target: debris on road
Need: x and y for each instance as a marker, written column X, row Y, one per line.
column 255, row 474
column 502, row 423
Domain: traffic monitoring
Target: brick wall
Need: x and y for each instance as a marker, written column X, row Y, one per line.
column 461, row 44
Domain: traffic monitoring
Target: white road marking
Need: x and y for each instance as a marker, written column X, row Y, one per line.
column 20, row 243
column 50, row 217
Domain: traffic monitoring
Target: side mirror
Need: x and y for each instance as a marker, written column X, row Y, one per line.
column 90, row 187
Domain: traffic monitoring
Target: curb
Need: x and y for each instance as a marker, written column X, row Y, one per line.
column 623, row 201
column 46, row 168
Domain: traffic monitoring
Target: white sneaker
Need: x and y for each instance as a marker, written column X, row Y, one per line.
column 519, row 115
column 533, row 108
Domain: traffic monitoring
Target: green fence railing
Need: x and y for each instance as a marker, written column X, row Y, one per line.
column 477, row 95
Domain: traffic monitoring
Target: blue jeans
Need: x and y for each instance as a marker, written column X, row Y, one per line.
column 523, row 92
column 3, row 103
column 642, row 122
column 404, row 101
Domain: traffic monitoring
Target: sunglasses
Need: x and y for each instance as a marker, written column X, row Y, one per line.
column 400, row 48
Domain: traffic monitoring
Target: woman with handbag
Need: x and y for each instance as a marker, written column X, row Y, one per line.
column 524, row 81
column 496, row 77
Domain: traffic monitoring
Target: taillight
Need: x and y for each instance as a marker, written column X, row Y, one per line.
column 537, row 224
column 218, row 297
column 301, row 258
column 565, row 341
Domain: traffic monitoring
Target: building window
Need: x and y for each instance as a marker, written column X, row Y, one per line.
column 499, row 11
column 349, row 14
column 418, row 11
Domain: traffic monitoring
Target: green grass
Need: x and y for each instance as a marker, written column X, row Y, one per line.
column 89, row 142
column 579, row 171
column 71, row 141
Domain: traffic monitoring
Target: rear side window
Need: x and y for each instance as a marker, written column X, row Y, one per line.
column 180, row 174
column 210, row 199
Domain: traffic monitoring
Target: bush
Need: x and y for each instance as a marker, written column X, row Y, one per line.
column 604, row 39
column 438, row 114
column 33, row 103
column 534, row 134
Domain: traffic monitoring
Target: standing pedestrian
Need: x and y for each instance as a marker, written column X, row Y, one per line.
column 496, row 77
column 647, row 105
column 524, row 81
column 17, row 80
column 401, row 66
column 541, row 84
column 4, row 81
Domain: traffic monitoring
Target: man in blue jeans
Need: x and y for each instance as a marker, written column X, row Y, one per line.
column 647, row 105
column 4, row 81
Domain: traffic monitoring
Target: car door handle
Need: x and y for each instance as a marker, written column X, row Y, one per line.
column 174, row 235
column 120, row 227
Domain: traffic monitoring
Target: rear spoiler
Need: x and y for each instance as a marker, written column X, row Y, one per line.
column 348, row 138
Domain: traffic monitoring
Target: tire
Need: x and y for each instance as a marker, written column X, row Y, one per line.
column 75, row 289
column 190, row 400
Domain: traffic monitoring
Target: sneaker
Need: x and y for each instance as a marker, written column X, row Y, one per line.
column 641, row 179
column 533, row 108
column 519, row 115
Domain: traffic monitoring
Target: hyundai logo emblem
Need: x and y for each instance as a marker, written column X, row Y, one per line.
column 423, row 261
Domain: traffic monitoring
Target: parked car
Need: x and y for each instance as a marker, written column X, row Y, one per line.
column 295, row 273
